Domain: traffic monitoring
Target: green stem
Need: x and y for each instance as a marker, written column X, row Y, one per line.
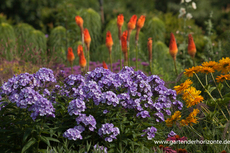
column 137, row 56
column 120, row 56
column 206, row 79
column 210, row 96
column 216, row 85
column 175, row 67
column 88, row 60
column 150, row 64
column 128, row 53
column 193, row 59
column 227, row 83
column 111, row 68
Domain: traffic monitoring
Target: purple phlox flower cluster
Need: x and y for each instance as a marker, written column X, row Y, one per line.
column 42, row 107
column 90, row 120
column 159, row 117
column 46, row 93
column 150, row 132
column 44, row 75
column 21, row 90
column 108, row 131
column 143, row 114
column 171, row 134
column 108, row 82
column 73, row 86
column 92, row 91
column 76, row 107
column 18, row 82
column 100, row 148
column 97, row 74
column 74, row 133
column 110, row 98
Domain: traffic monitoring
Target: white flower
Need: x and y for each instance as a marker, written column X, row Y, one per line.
column 182, row 1
column 194, row 5
column 187, row 1
column 189, row 16
column 182, row 12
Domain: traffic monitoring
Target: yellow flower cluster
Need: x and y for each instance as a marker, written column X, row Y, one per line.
column 209, row 67
column 192, row 96
column 191, row 118
column 175, row 117
column 183, row 86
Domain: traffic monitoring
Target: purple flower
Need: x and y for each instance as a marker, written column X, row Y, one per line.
column 72, row 134
column 90, row 120
column 109, row 131
column 76, row 107
column 102, row 149
column 150, row 132
column 171, row 134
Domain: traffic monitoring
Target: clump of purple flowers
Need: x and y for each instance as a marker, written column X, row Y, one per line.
column 150, row 131
column 74, row 133
column 100, row 148
column 171, row 134
column 108, row 131
column 23, row 90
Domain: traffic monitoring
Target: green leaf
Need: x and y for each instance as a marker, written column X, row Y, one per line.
column 26, row 134
column 44, row 139
column 220, row 86
column 52, row 139
column 29, row 144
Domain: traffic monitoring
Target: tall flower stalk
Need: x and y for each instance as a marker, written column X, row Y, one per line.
column 109, row 44
column 70, row 58
column 140, row 24
column 149, row 45
column 173, row 50
column 124, row 47
column 87, row 40
column 191, row 48
column 120, row 21
column 131, row 26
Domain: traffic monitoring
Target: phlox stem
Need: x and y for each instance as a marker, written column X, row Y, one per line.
column 174, row 60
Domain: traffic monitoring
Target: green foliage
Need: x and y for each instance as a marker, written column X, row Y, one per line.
column 56, row 42
column 7, row 41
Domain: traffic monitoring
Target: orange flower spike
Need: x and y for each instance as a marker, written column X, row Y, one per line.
column 104, row 65
column 87, row 38
column 79, row 50
column 120, row 20
column 173, row 47
column 191, row 46
column 70, row 55
column 132, row 22
column 124, row 44
column 82, row 60
column 79, row 22
column 141, row 22
column 109, row 41
column 149, row 45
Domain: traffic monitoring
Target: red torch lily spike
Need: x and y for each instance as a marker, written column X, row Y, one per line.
column 173, row 49
column 191, row 48
column 109, row 44
column 70, row 58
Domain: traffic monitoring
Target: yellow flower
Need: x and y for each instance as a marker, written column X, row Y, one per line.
column 224, row 65
column 192, row 96
column 183, row 122
column 207, row 70
column 221, row 78
column 189, row 72
column 176, row 116
column 211, row 64
column 192, row 116
column 183, row 86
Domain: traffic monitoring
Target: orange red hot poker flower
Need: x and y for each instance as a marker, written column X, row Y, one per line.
column 131, row 25
column 191, row 46
column 149, row 45
column 79, row 21
column 70, row 55
column 87, row 38
column 109, row 41
column 120, row 21
column 82, row 60
column 104, row 65
column 173, row 47
column 141, row 22
column 79, row 50
column 124, row 44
